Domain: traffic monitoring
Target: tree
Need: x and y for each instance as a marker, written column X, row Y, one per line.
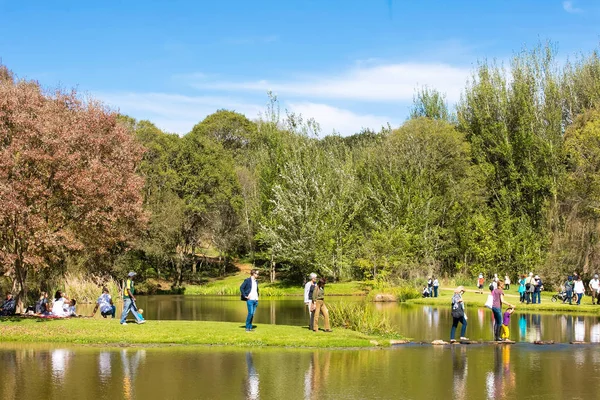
column 431, row 104
column 68, row 181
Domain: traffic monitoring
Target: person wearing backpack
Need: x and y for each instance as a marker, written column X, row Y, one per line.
column 458, row 314
column 529, row 288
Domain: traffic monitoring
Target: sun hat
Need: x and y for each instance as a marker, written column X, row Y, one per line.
column 459, row 289
column 131, row 274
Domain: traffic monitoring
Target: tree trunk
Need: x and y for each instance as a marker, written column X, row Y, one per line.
column 272, row 269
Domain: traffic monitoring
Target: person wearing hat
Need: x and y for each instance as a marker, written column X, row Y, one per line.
column 129, row 301
column 458, row 314
column 537, row 290
column 595, row 289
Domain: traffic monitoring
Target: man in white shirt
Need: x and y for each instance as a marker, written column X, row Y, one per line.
column 595, row 289
column 249, row 294
column 308, row 289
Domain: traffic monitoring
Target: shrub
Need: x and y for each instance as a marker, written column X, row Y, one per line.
column 361, row 317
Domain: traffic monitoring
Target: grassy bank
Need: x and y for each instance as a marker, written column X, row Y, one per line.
column 230, row 286
column 473, row 299
column 111, row 333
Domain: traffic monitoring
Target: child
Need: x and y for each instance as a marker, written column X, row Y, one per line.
column 480, row 281
column 505, row 323
column 71, row 309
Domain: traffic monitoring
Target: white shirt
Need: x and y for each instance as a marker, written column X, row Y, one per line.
column 254, row 290
column 104, row 303
column 579, row 288
column 307, row 300
column 58, row 308
column 435, row 282
column 595, row 284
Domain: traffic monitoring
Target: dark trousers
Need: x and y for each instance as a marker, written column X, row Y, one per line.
column 522, row 297
column 435, row 292
column 110, row 312
column 497, row 322
column 463, row 329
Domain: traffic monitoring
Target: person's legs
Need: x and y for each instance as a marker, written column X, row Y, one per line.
column 316, row 315
column 463, row 330
column 579, row 297
column 497, row 322
column 435, row 291
column 311, row 316
column 453, row 329
column 126, row 308
column 569, row 296
column 113, row 311
column 325, row 312
column 252, row 304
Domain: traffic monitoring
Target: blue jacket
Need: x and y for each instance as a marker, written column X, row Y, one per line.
column 246, row 287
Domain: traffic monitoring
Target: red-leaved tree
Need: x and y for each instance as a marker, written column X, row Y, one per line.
column 68, row 179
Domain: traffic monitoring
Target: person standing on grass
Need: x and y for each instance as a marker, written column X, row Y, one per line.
column 458, row 314
column 436, row 286
column 308, row 291
column 498, row 301
column 249, row 294
column 480, row 282
column 506, row 282
column 129, row 301
column 529, row 288
column 579, row 289
column 569, row 284
column 537, row 291
column 522, row 289
column 318, row 299
column 595, row 289
column 430, row 286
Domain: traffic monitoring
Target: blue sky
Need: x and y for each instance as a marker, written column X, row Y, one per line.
column 348, row 64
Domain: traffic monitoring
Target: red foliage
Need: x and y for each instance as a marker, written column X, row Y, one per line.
column 67, row 177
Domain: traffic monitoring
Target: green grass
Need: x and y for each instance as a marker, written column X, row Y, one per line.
column 109, row 332
column 230, row 286
column 478, row 300
column 360, row 317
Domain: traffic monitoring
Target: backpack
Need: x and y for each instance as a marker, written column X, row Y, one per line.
column 457, row 310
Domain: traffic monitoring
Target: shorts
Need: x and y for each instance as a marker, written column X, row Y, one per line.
column 480, row 286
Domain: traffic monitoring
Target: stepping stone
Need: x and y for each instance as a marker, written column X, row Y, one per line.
column 395, row 342
column 439, row 342
column 542, row 342
column 578, row 342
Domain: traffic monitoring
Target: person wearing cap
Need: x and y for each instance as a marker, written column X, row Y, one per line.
column 458, row 314
column 129, row 301
column 308, row 291
column 595, row 289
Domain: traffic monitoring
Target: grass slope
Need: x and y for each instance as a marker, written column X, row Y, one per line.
column 230, row 286
column 110, row 332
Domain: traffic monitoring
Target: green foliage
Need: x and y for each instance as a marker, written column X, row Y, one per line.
column 431, row 104
column 361, row 317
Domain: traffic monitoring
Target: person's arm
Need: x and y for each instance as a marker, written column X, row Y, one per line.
column 503, row 302
column 95, row 309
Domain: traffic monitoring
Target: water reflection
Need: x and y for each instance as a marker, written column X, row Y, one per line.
column 580, row 330
column 501, row 382
column 252, row 382
column 459, row 369
column 104, row 365
column 60, row 362
column 316, row 375
column 595, row 333
column 131, row 362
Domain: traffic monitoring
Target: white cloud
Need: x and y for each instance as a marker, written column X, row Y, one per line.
column 173, row 112
column 342, row 121
column 570, row 7
column 380, row 83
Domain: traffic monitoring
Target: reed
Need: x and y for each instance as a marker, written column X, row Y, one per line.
column 361, row 317
column 86, row 289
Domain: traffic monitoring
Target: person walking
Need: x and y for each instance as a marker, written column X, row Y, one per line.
column 579, row 289
column 436, row 286
column 506, row 282
column 458, row 314
column 595, row 289
column 480, row 282
column 522, row 289
column 497, row 302
column 129, row 301
column 318, row 298
column 308, row 291
column 249, row 294
column 569, row 284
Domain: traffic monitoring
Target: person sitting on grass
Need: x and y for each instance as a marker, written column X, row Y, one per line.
column 60, row 305
column 41, row 306
column 9, row 307
column 71, row 311
column 506, row 323
column 105, row 304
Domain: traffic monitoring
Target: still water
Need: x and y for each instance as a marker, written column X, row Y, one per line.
column 421, row 323
column 410, row 372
